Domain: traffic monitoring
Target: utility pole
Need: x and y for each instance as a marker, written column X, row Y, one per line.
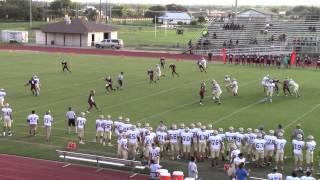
column 106, row 11
column 236, row 10
column 30, row 13
column 155, row 27
column 100, row 15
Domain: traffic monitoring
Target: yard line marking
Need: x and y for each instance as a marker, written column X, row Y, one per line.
column 178, row 107
column 239, row 110
column 302, row 116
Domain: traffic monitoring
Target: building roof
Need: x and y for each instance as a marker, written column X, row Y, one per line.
column 175, row 16
column 77, row 26
column 257, row 12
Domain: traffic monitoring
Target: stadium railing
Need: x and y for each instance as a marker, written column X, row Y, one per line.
column 99, row 160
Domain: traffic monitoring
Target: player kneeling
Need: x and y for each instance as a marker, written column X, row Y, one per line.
column 7, row 120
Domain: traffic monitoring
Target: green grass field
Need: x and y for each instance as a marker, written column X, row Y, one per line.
column 133, row 36
column 172, row 100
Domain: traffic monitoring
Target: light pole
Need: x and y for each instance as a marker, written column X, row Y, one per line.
column 30, row 14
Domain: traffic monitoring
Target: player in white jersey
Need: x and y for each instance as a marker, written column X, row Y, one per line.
column 234, row 87
column 310, row 148
column 123, row 146
column 298, row 145
column 118, row 125
column 81, row 124
column 216, row 145
column 154, row 154
column 293, row 176
column 259, row 146
column 37, row 84
column 99, row 129
column 107, row 127
column 186, row 137
column 47, row 122
column 227, row 82
column 275, row 175
column 223, row 137
column 194, row 130
column 230, row 139
column 147, row 143
column 2, row 97
column 240, row 140
column 216, row 91
column 202, row 138
column 269, row 86
column 133, row 135
column 264, row 82
column 71, row 120
column 173, row 135
column 202, row 64
column 250, row 138
column 280, row 149
column 126, row 125
column 33, row 123
column 233, row 155
column 162, row 137
column 181, row 130
column 294, row 87
column 270, row 146
column 308, row 176
column 120, row 81
column 7, row 119
column 158, row 72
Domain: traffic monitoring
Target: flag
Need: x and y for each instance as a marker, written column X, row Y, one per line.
column 293, row 58
column 224, row 55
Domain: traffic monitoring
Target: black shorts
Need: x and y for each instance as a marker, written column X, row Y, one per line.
column 72, row 122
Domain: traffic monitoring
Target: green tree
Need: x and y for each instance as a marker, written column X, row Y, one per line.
column 202, row 19
column 155, row 11
column 61, row 7
column 91, row 14
column 175, row 7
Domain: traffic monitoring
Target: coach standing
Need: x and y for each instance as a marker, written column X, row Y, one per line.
column 71, row 118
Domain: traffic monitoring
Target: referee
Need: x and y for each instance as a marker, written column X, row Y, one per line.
column 71, row 118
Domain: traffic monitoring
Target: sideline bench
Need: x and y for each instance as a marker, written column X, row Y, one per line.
column 99, row 160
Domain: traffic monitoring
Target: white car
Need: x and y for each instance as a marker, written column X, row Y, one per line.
column 110, row 43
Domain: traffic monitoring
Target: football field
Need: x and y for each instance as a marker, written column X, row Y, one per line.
column 172, row 100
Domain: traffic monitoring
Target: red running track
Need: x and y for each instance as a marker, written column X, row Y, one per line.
column 102, row 52
column 23, row 168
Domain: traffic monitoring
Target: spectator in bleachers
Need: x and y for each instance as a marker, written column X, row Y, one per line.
column 214, row 35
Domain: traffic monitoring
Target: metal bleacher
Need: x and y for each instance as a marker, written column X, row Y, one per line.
column 268, row 34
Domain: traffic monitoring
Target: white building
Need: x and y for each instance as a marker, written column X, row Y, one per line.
column 76, row 33
column 175, row 17
column 258, row 13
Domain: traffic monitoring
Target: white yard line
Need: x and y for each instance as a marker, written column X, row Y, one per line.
column 302, row 116
column 239, row 110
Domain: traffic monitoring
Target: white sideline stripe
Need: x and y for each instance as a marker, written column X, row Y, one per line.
column 251, row 177
column 239, row 110
column 302, row 116
column 64, row 166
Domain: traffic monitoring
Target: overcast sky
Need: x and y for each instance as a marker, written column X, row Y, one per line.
column 216, row 2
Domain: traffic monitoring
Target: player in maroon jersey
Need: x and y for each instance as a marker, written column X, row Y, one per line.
column 173, row 68
column 162, row 62
column 318, row 63
column 65, row 66
column 109, row 87
column 150, row 73
column 92, row 101
column 285, row 87
column 237, row 59
column 32, row 84
column 243, row 59
column 230, row 58
column 202, row 91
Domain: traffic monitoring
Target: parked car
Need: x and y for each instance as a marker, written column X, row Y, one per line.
column 110, row 43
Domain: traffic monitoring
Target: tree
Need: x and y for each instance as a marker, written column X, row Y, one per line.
column 61, row 7
column 175, row 7
column 91, row 14
column 155, row 11
column 202, row 19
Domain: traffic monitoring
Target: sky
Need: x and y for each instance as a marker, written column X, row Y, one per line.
column 215, row 2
